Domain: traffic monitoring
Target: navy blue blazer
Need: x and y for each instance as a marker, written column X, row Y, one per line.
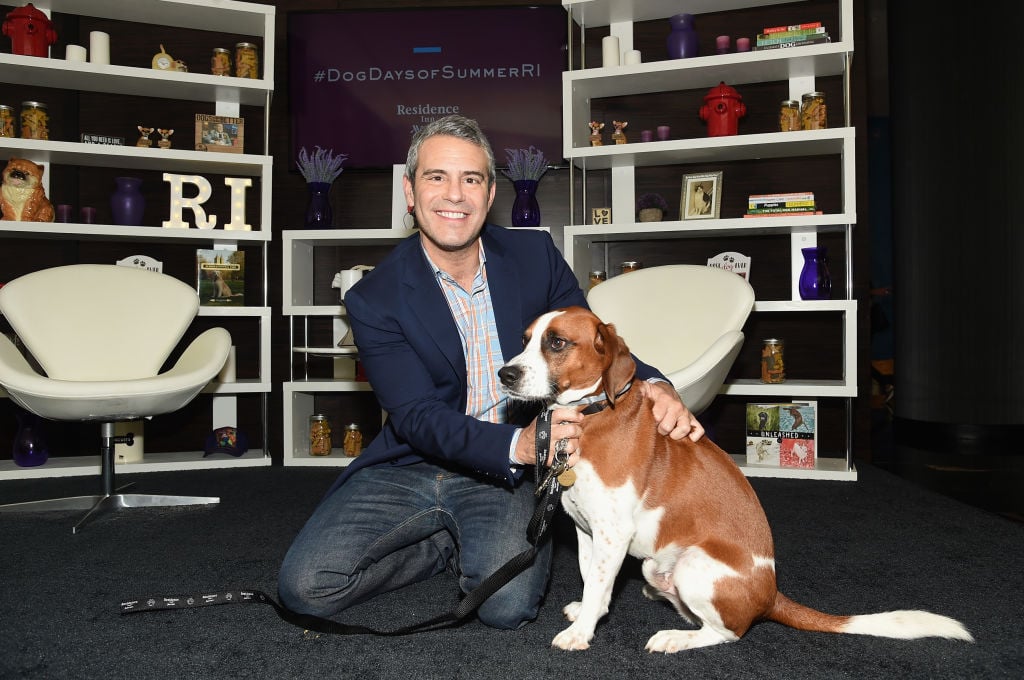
column 410, row 349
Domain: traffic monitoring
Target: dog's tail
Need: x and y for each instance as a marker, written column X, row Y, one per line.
column 904, row 624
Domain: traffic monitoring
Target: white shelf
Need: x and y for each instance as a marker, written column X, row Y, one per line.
column 78, row 466
column 825, row 469
column 130, row 157
column 133, row 81
column 227, row 94
column 605, row 12
column 831, row 141
column 799, row 67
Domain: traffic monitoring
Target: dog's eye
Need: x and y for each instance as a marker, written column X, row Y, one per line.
column 556, row 343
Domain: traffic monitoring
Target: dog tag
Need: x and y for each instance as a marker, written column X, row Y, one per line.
column 567, row 478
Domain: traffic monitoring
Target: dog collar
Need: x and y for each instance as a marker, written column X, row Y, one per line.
column 595, row 403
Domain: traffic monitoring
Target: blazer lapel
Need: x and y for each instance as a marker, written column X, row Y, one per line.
column 431, row 309
column 503, row 282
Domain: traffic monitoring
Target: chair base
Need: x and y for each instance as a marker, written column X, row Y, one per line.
column 100, row 504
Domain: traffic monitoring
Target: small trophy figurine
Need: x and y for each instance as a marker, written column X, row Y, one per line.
column 619, row 136
column 144, row 140
column 595, row 133
column 165, row 138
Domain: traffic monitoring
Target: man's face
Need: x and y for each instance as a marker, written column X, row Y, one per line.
column 450, row 193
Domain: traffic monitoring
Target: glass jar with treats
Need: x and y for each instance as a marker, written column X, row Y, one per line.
column 35, row 121
column 220, row 62
column 813, row 111
column 6, row 121
column 353, row 444
column 319, row 435
column 247, row 61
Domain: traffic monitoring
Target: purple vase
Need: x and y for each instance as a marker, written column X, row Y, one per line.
column 127, row 204
column 815, row 281
column 525, row 209
column 682, row 41
column 29, row 448
column 318, row 211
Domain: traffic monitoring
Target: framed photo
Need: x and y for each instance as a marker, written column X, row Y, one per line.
column 222, row 134
column 702, row 196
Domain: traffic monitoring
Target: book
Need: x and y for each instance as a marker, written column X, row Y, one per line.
column 817, row 40
column 792, row 27
column 761, row 42
column 782, row 209
column 790, row 34
column 782, row 435
column 220, row 277
column 786, row 214
column 765, row 205
column 787, row 196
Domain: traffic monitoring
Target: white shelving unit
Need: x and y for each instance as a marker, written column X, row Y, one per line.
column 799, row 66
column 227, row 94
column 297, row 295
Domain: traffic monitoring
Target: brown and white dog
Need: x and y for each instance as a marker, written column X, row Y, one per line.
column 682, row 507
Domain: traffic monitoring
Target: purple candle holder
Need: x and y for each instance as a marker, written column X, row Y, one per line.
column 663, row 132
column 63, row 212
column 722, row 44
column 646, row 135
column 742, row 44
column 88, row 215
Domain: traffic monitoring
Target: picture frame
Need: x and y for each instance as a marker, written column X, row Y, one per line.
column 701, row 197
column 221, row 134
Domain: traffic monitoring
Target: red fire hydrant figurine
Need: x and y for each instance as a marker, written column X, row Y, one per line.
column 31, row 32
column 723, row 107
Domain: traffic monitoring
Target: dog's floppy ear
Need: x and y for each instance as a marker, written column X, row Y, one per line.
column 619, row 366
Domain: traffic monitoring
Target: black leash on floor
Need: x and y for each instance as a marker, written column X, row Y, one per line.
column 549, row 491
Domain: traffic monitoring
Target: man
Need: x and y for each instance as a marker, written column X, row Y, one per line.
column 442, row 486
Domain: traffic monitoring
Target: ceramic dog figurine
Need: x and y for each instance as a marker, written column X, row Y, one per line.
column 23, row 196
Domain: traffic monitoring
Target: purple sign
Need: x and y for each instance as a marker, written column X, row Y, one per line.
column 362, row 82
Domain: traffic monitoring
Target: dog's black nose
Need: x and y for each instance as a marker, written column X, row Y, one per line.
column 509, row 375
column 19, row 174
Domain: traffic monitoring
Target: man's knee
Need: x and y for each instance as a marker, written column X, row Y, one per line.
column 509, row 613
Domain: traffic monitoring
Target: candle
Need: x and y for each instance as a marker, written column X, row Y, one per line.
column 609, row 51
column 64, row 212
column 88, row 215
column 632, row 57
column 663, row 131
column 742, row 44
column 722, row 44
column 646, row 136
column 74, row 53
column 99, row 47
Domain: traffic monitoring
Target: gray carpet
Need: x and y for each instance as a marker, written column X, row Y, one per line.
column 875, row 544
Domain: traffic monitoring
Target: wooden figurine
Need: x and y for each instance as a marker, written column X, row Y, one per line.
column 595, row 133
column 165, row 138
column 619, row 135
column 144, row 140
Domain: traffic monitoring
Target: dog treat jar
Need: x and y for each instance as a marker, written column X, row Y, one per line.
column 35, row 121
column 6, row 121
column 319, row 436
column 353, row 443
column 247, row 61
column 220, row 62
column 773, row 368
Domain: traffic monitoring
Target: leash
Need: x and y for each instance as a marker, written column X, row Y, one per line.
column 548, row 494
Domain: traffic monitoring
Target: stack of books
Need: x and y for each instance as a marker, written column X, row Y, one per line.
column 775, row 37
column 775, row 205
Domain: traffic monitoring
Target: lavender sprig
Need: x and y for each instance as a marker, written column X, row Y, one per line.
column 320, row 166
column 525, row 164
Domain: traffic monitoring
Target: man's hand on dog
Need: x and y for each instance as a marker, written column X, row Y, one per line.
column 565, row 424
column 672, row 416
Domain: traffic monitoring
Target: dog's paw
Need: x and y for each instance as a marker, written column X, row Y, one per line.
column 672, row 641
column 573, row 639
column 652, row 593
column 571, row 610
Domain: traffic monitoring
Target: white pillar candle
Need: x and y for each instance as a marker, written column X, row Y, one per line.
column 227, row 373
column 632, row 57
column 99, row 47
column 74, row 53
column 610, row 51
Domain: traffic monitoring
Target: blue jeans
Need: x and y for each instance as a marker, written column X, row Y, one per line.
column 389, row 526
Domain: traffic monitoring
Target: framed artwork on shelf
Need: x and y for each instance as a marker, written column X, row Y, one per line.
column 701, row 196
column 222, row 134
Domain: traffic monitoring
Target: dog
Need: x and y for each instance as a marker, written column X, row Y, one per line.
column 683, row 507
column 22, row 192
